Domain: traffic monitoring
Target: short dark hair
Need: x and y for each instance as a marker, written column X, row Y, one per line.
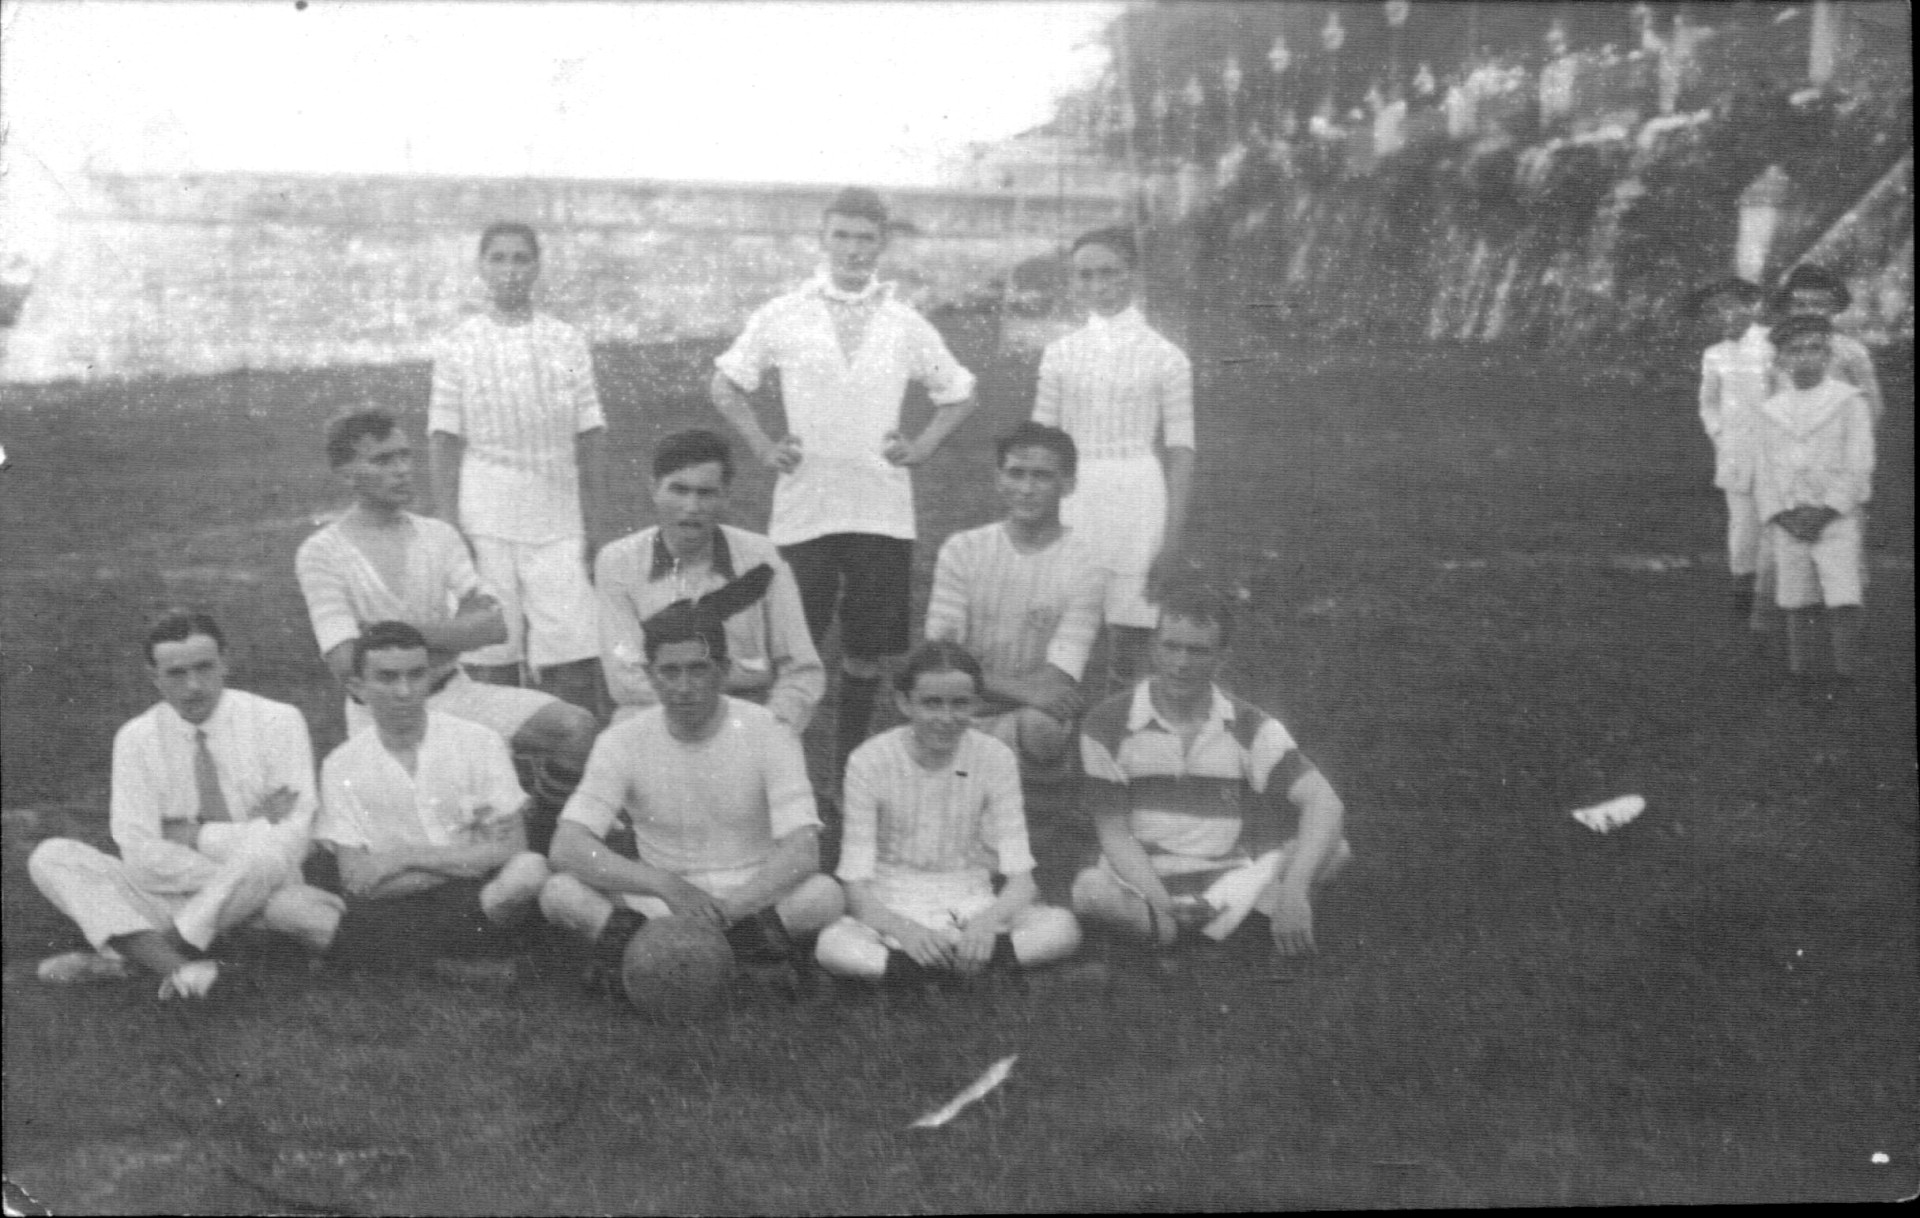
column 1116, row 237
column 179, row 625
column 1030, row 434
column 385, row 636
column 680, row 622
column 509, row 228
column 1745, row 291
column 694, row 446
column 346, row 431
column 1800, row 327
column 1197, row 602
column 939, row 655
column 858, row 202
column 1810, row 277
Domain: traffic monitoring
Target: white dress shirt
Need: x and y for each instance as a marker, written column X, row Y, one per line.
column 462, row 778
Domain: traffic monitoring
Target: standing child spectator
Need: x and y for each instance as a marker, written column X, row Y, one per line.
column 1815, row 291
column 517, row 446
column 1814, row 477
column 1734, row 380
column 933, row 811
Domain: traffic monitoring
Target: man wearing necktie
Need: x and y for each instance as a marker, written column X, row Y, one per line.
column 211, row 806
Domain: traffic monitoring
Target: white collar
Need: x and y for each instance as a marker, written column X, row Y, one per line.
column 1103, row 325
column 210, row 725
column 823, row 284
column 1143, row 712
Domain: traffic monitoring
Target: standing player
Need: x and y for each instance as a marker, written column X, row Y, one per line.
column 1116, row 385
column 517, row 445
column 1189, row 789
column 933, row 813
column 1734, row 377
column 379, row 562
column 1024, row 593
column 843, row 504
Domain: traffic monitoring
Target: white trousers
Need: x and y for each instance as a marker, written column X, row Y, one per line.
column 1830, row 570
column 1041, row 934
column 1749, row 552
column 101, row 894
column 546, row 597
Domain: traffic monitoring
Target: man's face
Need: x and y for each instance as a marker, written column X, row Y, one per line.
column 690, row 502
column 381, row 471
column 687, row 679
column 394, row 683
column 1186, row 655
column 189, row 673
column 1031, row 485
column 1804, row 359
column 508, row 266
column 1734, row 315
column 853, row 248
column 939, row 708
column 1812, row 302
column 1102, row 280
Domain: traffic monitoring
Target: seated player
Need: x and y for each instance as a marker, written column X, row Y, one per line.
column 424, row 814
column 933, row 812
column 380, row 562
column 1025, row 595
column 712, row 792
column 771, row 657
column 211, row 804
column 1185, row 783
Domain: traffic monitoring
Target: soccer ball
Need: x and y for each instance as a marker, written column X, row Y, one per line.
column 676, row 968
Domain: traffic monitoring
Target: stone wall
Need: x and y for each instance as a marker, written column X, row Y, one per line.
column 161, row 275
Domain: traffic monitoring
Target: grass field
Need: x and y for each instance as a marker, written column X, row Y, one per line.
column 1482, row 593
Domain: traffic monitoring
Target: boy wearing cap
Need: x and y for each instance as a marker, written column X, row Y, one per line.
column 1815, row 291
column 1735, row 375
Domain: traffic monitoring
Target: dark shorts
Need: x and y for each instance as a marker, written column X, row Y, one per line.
column 871, row 579
column 405, row 931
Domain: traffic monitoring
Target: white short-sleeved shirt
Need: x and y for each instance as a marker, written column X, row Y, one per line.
column 842, row 409
column 345, row 593
column 1113, row 385
column 463, row 777
column 716, row 805
column 966, row 818
column 1017, row 611
column 518, row 396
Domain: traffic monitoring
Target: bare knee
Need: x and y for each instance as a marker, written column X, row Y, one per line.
column 816, row 903
column 55, row 854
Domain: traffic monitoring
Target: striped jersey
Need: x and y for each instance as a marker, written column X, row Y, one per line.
column 517, row 396
column 344, row 591
column 1017, row 611
column 967, row 818
column 1189, row 807
column 1114, row 384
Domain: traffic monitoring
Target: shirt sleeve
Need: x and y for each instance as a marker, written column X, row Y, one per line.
column 1854, row 486
column 934, row 366
column 1103, row 784
column 751, row 354
column 1176, row 399
column 1005, row 821
column 622, row 644
column 1710, row 409
column 446, row 405
column 342, row 820
column 289, row 764
column 947, row 602
column 1047, row 391
column 1856, row 368
column 329, row 604
column 587, row 411
column 860, row 816
column 789, row 794
column 136, row 806
column 596, row 802
column 800, row 680
column 1079, row 625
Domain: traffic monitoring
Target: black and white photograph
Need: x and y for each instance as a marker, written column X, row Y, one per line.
column 956, row 606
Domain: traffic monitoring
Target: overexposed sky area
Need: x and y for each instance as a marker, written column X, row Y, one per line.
column 802, row 90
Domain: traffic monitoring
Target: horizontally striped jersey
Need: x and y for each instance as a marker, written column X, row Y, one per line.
column 1222, row 798
column 1113, row 385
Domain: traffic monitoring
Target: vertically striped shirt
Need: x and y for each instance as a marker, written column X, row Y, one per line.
column 518, row 396
column 1017, row 611
column 965, row 818
column 344, row 592
column 1114, row 384
column 1189, row 806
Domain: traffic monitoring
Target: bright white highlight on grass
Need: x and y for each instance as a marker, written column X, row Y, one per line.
column 993, row 1077
column 1880, row 1158
column 804, row 90
column 1604, row 817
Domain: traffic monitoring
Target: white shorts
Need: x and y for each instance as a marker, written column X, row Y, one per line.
column 504, row 708
column 1119, row 507
column 546, row 598
column 940, row 902
column 713, row 883
column 1828, row 571
column 1748, row 551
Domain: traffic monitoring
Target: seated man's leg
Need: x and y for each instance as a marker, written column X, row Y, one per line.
column 1101, row 896
column 514, row 890
column 604, row 927
column 445, row 920
column 851, row 948
column 304, row 913
column 1042, row 934
column 94, row 891
column 242, row 884
column 778, row 931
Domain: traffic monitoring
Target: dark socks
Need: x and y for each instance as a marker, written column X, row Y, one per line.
column 855, row 715
column 610, row 945
column 1003, row 956
column 1742, row 598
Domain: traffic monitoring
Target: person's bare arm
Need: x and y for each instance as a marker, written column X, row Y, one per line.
column 590, row 452
column 795, row 857
column 579, row 853
column 1128, row 859
column 1179, row 497
column 444, row 453
column 477, row 622
column 924, row 946
column 782, row 455
column 389, row 873
column 902, row 451
column 1045, row 689
column 1321, row 814
column 975, row 947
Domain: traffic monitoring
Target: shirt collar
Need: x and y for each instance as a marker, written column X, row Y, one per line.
column 1125, row 319
column 720, row 557
column 1143, row 713
column 173, row 718
column 875, row 291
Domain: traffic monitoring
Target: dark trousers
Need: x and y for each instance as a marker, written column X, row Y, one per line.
column 411, row 930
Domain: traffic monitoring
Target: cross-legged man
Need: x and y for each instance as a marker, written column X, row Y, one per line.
column 517, row 443
column 211, row 806
column 424, row 814
column 713, row 792
column 1024, row 594
column 770, row 654
column 380, row 562
column 843, row 503
column 1190, row 789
